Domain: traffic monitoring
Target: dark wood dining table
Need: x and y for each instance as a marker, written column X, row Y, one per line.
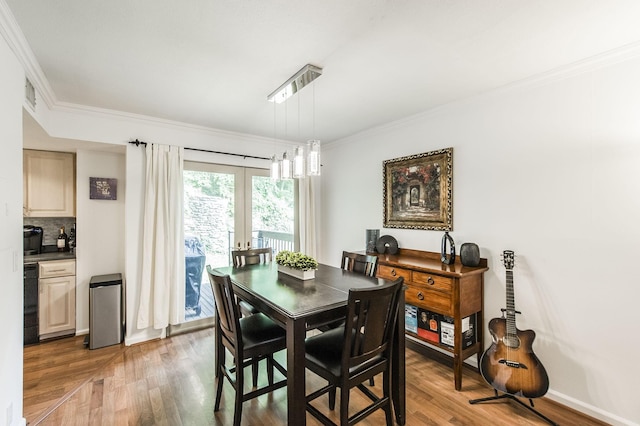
column 299, row 306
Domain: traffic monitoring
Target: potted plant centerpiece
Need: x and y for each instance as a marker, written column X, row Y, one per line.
column 296, row 264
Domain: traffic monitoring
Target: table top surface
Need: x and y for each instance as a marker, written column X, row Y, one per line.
column 296, row 298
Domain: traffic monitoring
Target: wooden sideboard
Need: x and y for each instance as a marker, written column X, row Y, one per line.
column 451, row 292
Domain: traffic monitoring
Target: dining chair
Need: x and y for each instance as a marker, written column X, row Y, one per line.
column 253, row 256
column 354, row 262
column 347, row 356
column 363, row 263
column 249, row 340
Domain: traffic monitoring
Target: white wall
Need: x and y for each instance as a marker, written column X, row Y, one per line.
column 11, row 302
column 100, row 227
column 548, row 169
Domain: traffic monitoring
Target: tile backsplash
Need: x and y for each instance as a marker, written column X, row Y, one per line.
column 50, row 226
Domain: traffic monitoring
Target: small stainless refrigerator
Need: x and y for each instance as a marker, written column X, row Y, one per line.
column 106, row 325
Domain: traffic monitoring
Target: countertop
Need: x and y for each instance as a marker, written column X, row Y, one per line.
column 43, row 257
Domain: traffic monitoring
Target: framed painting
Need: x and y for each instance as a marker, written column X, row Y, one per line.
column 418, row 191
column 103, row 188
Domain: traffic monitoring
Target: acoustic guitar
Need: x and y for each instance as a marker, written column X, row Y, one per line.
column 509, row 364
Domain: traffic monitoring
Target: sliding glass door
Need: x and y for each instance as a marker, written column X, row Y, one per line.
column 228, row 207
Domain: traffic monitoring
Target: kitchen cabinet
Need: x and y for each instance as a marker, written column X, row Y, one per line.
column 56, row 298
column 448, row 300
column 48, row 184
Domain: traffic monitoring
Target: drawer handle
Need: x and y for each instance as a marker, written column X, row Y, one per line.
column 430, row 281
column 393, row 272
column 420, row 296
column 57, row 270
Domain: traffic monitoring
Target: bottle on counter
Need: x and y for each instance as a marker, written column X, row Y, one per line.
column 72, row 238
column 63, row 241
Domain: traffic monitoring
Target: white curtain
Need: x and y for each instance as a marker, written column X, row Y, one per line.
column 162, row 280
column 307, row 215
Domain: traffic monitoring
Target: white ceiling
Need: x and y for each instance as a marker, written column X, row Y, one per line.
column 212, row 63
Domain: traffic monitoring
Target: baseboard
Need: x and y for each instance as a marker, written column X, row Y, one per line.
column 587, row 409
column 446, row 358
column 144, row 336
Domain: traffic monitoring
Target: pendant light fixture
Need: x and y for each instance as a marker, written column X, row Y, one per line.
column 275, row 168
column 313, row 148
column 285, row 167
column 313, row 157
column 298, row 162
column 302, row 165
column 275, row 164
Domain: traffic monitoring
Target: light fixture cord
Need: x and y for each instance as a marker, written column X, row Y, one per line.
column 298, row 116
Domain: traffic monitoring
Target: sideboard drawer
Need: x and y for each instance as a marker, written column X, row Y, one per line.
column 393, row 273
column 431, row 281
column 428, row 299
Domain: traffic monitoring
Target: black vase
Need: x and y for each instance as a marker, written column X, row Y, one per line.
column 470, row 254
column 447, row 257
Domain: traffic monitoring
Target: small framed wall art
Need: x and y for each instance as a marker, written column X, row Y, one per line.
column 417, row 191
column 103, row 188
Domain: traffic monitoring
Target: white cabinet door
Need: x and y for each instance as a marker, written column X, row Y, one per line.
column 57, row 305
column 48, row 184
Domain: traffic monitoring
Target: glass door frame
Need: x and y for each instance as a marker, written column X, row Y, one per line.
column 243, row 208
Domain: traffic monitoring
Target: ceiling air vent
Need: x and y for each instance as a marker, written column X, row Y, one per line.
column 30, row 93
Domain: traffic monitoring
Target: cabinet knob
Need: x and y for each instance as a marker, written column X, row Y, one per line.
column 430, row 281
column 393, row 272
column 420, row 296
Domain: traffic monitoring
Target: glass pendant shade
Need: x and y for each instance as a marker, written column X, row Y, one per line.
column 313, row 158
column 298, row 162
column 275, row 168
column 285, row 167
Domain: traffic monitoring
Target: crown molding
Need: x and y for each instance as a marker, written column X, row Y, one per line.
column 108, row 114
column 14, row 37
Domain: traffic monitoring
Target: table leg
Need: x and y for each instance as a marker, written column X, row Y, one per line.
column 457, row 370
column 296, row 405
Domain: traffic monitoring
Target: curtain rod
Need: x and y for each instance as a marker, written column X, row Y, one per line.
column 138, row 143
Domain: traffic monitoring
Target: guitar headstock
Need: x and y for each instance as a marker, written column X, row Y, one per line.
column 508, row 259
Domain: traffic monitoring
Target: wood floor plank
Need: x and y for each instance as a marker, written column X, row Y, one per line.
column 170, row 382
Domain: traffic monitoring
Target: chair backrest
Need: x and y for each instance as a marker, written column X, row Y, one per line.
column 251, row 256
column 365, row 264
column 371, row 321
column 228, row 314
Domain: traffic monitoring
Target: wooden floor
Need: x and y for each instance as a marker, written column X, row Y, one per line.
column 170, row 382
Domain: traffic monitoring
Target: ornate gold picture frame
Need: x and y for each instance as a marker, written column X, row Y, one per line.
column 418, row 191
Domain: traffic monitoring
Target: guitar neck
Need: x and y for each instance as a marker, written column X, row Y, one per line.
column 511, row 307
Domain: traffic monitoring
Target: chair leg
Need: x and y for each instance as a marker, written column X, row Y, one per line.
column 386, row 393
column 237, row 414
column 220, row 379
column 372, row 382
column 344, row 406
column 220, row 360
column 270, row 369
column 332, row 399
column 254, row 371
